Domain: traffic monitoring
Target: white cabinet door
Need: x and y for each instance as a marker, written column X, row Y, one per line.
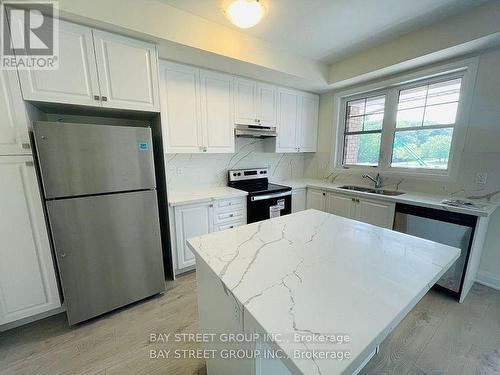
column 288, row 120
column 14, row 138
column 308, row 138
column 128, row 72
column 316, row 199
column 375, row 212
column 266, row 105
column 341, row 205
column 298, row 200
column 27, row 278
column 191, row 221
column 181, row 125
column 75, row 81
column 217, row 111
column 245, row 109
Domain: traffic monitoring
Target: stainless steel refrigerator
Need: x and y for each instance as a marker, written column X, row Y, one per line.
column 100, row 193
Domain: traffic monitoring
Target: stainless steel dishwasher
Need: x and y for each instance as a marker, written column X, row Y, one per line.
column 449, row 228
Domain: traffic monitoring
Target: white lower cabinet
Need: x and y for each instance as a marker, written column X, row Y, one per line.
column 371, row 211
column 192, row 220
column 316, row 199
column 298, row 200
column 27, row 277
column 375, row 212
column 341, row 205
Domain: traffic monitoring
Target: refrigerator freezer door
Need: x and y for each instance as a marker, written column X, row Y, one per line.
column 81, row 159
column 442, row 232
column 108, row 251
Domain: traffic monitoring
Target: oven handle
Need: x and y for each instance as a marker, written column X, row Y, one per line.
column 270, row 196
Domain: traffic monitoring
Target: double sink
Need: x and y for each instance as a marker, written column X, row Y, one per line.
column 371, row 190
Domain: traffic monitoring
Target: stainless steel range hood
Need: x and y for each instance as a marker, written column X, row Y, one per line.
column 255, row 131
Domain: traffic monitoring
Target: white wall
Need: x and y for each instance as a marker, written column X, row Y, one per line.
column 195, row 171
column 481, row 154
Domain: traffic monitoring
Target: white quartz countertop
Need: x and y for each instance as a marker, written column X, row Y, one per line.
column 412, row 198
column 316, row 273
column 176, row 198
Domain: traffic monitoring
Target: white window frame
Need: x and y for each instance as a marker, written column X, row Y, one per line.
column 466, row 69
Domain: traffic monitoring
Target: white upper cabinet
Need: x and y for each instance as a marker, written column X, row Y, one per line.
column 196, row 110
column 76, row 81
column 27, row 278
column 14, row 138
column 266, row 105
column 99, row 69
column 217, row 102
column 245, row 111
column 288, row 120
column 180, row 113
column 128, row 72
column 297, row 121
column 308, row 129
column 255, row 103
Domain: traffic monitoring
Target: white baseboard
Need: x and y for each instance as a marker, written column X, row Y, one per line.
column 489, row 279
column 31, row 319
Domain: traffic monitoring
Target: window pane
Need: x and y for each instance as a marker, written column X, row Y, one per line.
column 444, row 92
column 412, row 98
column 442, row 114
column 422, row 148
column 362, row 149
column 373, row 122
column 356, row 108
column 355, row 124
column 410, row 117
column 375, row 105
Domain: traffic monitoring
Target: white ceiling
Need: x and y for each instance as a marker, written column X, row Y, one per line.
column 327, row 30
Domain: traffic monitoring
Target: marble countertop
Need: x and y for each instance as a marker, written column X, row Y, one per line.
column 413, row 198
column 314, row 273
column 177, row 198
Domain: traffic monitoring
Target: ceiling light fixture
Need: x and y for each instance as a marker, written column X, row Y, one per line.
column 245, row 13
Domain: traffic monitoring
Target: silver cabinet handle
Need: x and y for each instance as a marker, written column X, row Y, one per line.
column 97, row 97
column 28, row 163
column 104, row 98
column 231, row 215
column 26, row 146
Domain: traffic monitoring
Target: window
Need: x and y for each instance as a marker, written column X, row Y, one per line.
column 363, row 130
column 407, row 127
column 424, row 125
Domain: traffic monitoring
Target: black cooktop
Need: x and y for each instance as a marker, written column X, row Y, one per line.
column 260, row 188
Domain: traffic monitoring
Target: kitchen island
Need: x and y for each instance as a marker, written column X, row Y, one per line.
column 308, row 293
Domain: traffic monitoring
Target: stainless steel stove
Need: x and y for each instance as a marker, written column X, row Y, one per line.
column 265, row 200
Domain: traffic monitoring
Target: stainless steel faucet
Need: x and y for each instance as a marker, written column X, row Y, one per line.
column 377, row 180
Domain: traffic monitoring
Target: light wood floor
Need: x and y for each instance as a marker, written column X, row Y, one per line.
column 439, row 336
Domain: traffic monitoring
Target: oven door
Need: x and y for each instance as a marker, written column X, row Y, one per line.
column 267, row 206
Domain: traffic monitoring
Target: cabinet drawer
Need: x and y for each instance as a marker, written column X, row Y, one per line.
column 230, row 204
column 230, row 225
column 223, row 217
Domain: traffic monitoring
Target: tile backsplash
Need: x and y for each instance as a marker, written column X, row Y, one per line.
column 193, row 171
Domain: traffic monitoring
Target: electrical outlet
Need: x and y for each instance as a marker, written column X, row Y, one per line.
column 481, row 178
